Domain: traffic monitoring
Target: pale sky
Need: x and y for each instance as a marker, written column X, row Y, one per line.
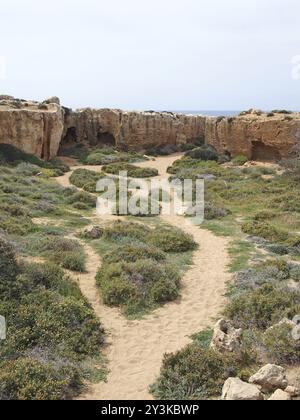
column 158, row 54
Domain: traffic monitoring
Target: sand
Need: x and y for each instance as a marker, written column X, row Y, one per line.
column 136, row 348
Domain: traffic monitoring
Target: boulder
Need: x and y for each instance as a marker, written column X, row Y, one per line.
column 227, row 339
column 236, row 390
column 270, row 378
column 280, row 395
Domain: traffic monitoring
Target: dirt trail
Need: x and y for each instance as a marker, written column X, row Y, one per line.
column 136, row 348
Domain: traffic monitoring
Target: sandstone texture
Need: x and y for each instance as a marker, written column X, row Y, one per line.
column 32, row 127
column 259, row 137
column 236, row 390
column 40, row 128
column 133, row 130
column 270, row 378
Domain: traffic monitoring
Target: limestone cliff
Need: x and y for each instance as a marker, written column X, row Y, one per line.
column 40, row 128
column 32, row 127
column 259, row 137
column 132, row 130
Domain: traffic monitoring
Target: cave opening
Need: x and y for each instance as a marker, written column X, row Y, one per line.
column 71, row 136
column 265, row 153
column 106, row 139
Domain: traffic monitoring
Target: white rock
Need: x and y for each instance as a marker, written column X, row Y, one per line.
column 227, row 339
column 270, row 378
column 293, row 391
column 236, row 390
column 280, row 395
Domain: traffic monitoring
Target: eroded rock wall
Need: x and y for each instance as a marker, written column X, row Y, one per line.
column 40, row 129
column 257, row 137
column 133, row 130
column 33, row 130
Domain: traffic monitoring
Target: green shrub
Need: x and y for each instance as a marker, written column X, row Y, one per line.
column 265, row 230
column 67, row 252
column 280, row 346
column 194, row 373
column 132, row 171
column 88, row 200
column 20, row 226
column 8, row 263
column 50, row 277
column 74, row 261
column 30, row 379
column 140, row 283
column 205, row 153
column 85, row 179
column 240, row 160
column 120, row 230
column 263, row 307
column 133, row 252
column 203, row 338
column 170, row 239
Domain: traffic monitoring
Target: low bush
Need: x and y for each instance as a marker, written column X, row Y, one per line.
column 265, row 230
column 133, row 252
column 74, row 261
column 194, row 373
column 132, row 171
column 280, row 346
column 8, row 263
column 66, row 252
column 30, row 379
column 263, row 307
column 85, row 179
column 240, row 160
column 145, row 282
column 127, row 230
column 81, row 197
column 205, row 153
column 171, row 240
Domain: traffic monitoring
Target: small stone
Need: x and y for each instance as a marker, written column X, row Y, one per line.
column 280, row 395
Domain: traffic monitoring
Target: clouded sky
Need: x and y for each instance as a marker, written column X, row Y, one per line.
column 154, row 54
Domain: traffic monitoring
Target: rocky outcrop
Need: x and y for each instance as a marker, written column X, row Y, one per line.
column 259, row 137
column 236, row 390
column 32, row 127
column 132, row 130
column 40, row 128
column 227, row 339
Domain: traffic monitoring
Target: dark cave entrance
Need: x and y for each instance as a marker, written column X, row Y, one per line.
column 70, row 137
column 106, row 139
column 262, row 152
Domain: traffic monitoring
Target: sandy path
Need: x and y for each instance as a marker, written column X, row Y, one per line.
column 136, row 348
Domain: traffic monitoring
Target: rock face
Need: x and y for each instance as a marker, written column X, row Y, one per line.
column 236, row 390
column 259, row 137
column 226, row 338
column 132, row 130
column 32, row 127
column 40, row 128
column 270, row 378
